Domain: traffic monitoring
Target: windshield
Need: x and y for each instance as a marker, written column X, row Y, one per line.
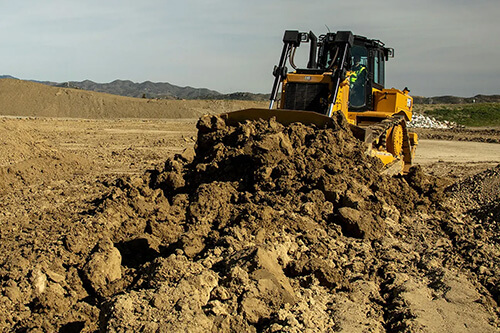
column 333, row 57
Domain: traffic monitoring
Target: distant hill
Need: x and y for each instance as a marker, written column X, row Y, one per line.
column 7, row 77
column 146, row 89
column 32, row 99
column 162, row 90
column 151, row 90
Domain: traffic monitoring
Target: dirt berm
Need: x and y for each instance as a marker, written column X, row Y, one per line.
column 24, row 98
column 267, row 228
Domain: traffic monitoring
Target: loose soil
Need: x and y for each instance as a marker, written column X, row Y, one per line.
column 190, row 225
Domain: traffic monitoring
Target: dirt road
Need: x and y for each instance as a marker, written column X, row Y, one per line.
column 456, row 159
column 431, row 151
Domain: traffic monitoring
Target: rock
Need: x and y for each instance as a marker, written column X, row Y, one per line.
column 423, row 121
column 38, row 281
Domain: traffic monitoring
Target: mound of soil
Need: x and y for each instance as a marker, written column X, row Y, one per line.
column 263, row 227
column 30, row 99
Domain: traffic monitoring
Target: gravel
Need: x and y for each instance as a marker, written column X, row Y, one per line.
column 422, row 121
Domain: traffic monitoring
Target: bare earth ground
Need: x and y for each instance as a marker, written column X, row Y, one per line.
column 39, row 203
column 87, row 244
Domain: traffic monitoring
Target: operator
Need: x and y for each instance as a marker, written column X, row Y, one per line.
column 357, row 80
column 359, row 72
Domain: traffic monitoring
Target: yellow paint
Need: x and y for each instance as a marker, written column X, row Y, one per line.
column 308, row 78
column 413, row 138
column 394, row 141
column 385, row 157
column 393, row 101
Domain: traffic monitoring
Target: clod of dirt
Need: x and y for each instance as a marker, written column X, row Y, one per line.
column 103, row 267
column 360, row 225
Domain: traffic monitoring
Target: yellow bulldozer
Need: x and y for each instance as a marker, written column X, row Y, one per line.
column 345, row 73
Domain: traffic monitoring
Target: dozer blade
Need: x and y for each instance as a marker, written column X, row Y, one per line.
column 287, row 117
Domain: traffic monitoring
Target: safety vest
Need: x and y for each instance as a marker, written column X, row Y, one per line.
column 357, row 73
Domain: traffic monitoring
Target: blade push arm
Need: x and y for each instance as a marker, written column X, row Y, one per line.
column 291, row 39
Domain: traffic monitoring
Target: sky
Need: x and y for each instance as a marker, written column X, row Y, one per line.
column 442, row 47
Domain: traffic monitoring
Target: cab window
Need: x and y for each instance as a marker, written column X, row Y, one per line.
column 378, row 68
column 359, row 76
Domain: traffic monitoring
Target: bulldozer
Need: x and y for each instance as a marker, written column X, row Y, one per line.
column 344, row 73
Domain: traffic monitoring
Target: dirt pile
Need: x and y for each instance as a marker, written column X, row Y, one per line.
column 262, row 228
column 30, row 99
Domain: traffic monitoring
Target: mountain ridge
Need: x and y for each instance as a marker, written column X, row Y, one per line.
column 166, row 90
